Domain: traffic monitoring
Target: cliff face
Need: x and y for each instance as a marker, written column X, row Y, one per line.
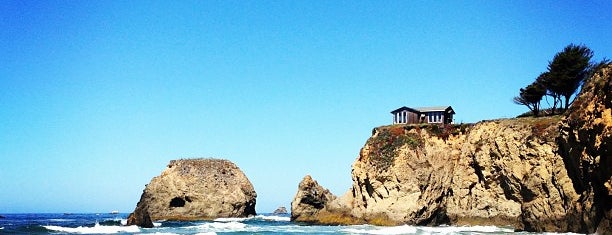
column 586, row 146
column 536, row 174
column 195, row 189
column 502, row 173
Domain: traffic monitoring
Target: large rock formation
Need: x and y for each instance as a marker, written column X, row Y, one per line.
column 528, row 173
column 586, row 146
column 195, row 189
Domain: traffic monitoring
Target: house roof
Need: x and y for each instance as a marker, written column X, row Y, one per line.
column 426, row 109
column 436, row 109
column 404, row 108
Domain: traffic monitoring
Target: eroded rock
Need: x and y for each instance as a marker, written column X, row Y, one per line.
column 196, row 189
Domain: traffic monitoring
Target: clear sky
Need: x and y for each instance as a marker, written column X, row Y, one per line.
column 96, row 97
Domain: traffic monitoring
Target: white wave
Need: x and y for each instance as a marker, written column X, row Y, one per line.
column 550, row 233
column 404, row 229
column 257, row 217
column 1, row 228
column 273, row 218
column 229, row 225
column 61, row 220
column 219, row 226
column 156, row 224
column 456, row 229
column 207, row 233
column 96, row 229
column 158, row 233
column 124, row 222
column 230, row 219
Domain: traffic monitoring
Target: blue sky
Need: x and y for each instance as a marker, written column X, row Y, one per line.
column 96, row 97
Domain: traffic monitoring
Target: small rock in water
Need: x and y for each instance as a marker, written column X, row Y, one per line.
column 280, row 210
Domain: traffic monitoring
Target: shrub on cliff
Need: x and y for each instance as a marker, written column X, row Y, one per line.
column 386, row 144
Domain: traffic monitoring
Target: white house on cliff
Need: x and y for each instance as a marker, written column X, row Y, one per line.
column 440, row 114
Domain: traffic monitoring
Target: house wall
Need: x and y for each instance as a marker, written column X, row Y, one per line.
column 438, row 117
column 409, row 117
column 405, row 117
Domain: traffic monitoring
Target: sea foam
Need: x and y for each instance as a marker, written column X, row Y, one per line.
column 96, row 229
column 404, row 229
column 273, row 218
column 158, row 233
column 62, row 220
column 232, row 226
column 257, row 217
column 457, row 229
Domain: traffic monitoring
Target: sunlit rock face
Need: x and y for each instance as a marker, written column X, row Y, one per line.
column 586, row 146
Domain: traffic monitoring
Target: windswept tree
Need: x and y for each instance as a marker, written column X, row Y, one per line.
column 568, row 70
column 546, row 81
column 531, row 96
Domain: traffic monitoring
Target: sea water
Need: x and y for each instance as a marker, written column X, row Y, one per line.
column 261, row 224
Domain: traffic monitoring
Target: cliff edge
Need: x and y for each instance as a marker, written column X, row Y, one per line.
column 195, row 189
column 534, row 174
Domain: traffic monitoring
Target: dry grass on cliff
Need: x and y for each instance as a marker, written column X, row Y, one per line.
column 544, row 128
column 386, row 141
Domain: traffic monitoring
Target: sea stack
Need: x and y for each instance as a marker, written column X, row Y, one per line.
column 195, row 189
column 280, row 211
column 309, row 200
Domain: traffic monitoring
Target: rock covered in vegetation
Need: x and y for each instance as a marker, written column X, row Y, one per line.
column 195, row 189
column 521, row 172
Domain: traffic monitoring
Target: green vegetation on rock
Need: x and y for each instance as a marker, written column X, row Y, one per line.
column 387, row 142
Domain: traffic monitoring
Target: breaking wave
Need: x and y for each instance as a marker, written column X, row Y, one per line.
column 407, row 229
column 472, row 229
column 61, row 220
column 232, row 226
column 159, row 233
column 367, row 229
column 257, row 217
column 96, row 229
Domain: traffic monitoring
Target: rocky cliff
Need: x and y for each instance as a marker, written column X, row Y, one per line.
column 585, row 143
column 195, row 189
column 535, row 174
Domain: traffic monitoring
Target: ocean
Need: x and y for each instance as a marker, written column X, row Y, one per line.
column 104, row 223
